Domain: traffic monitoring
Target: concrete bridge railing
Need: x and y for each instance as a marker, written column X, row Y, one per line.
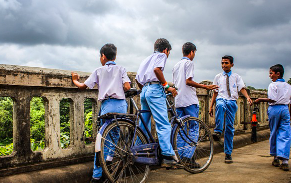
column 23, row 83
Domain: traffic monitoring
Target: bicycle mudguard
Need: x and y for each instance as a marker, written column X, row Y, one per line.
column 99, row 137
column 146, row 153
column 175, row 127
column 104, row 126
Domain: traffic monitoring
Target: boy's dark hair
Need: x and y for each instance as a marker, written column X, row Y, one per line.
column 230, row 58
column 278, row 68
column 109, row 50
column 162, row 44
column 187, row 48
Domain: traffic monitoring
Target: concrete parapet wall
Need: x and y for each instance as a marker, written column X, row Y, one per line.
column 23, row 83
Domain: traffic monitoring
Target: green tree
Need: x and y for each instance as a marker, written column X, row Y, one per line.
column 65, row 122
column 289, row 81
column 37, row 123
column 6, row 120
column 6, row 126
column 88, row 119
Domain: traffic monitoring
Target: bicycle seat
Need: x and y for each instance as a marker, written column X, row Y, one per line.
column 132, row 92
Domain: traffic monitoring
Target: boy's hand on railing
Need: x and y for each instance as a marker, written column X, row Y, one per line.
column 257, row 101
column 210, row 112
column 250, row 101
column 173, row 91
column 75, row 76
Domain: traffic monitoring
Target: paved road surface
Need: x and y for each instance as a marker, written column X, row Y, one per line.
column 251, row 164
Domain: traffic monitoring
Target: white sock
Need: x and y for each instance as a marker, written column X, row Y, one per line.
column 109, row 158
column 285, row 161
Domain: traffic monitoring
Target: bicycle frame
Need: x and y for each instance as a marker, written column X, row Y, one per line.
column 151, row 148
column 153, row 145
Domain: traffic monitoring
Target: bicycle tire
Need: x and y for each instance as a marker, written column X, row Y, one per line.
column 194, row 158
column 122, row 168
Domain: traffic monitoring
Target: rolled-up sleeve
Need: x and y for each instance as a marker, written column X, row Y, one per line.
column 92, row 80
column 215, row 82
column 161, row 61
column 124, row 75
column 189, row 70
column 240, row 83
column 272, row 92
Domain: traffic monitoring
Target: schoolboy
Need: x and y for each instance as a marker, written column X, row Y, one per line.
column 226, row 95
column 151, row 80
column 186, row 102
column 279, row 96
column 112, row 81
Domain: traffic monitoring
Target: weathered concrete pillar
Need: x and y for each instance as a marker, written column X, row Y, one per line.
column 52, row 126
column 77, row 121
column 21, row 125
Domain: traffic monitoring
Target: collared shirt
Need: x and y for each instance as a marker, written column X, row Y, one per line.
column 235, row 85
column 183, row 70
column 145, row 72
column 109, row 79
column 279, row 91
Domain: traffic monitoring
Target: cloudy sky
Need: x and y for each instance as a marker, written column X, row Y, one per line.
column 68, row 34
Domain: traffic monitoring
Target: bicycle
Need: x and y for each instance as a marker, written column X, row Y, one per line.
column 125, row 151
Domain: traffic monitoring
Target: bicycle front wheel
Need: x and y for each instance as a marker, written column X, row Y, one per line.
column 193, row 145
column 116, row 158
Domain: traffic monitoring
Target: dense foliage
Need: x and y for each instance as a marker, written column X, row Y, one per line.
column 37, row 123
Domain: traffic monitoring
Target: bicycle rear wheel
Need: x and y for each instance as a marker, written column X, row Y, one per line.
column 193, row 145
column 115, row 156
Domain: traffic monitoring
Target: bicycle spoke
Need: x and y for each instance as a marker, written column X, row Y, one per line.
column 193, row 146
column 116, row 141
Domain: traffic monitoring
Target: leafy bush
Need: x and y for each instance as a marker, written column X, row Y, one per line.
column 65, row 122
column 6, row 150
column 88, row 128
column 6, row 126
column 6, row 119
column 37, row 124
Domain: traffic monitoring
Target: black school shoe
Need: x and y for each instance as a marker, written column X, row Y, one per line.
column 170, row 162
column 216, row 136
column 276, row 163
column 228, row 159
column 191, row 163
column 284, row 167
column 97, row 180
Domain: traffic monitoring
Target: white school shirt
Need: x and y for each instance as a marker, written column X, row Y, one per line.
column 145, row 72
column 280, row 92
column 235, row 85
column 109, row 79
column 183, row 70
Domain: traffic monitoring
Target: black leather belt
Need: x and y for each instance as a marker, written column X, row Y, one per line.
column 106, row 98
column 152, row 83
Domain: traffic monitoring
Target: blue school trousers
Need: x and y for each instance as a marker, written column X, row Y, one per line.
column 184, row 149
column 153, row 98
column 229, row 108
column 109, row 106
column 279, row 123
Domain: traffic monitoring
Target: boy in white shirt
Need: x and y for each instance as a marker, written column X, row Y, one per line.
column 186, row 102
column 151, row 80
column 279, row 96
column 226, row 95
column 112, row 82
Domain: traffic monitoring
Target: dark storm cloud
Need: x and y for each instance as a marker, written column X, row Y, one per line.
column 34, row 22
column 58, row 34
